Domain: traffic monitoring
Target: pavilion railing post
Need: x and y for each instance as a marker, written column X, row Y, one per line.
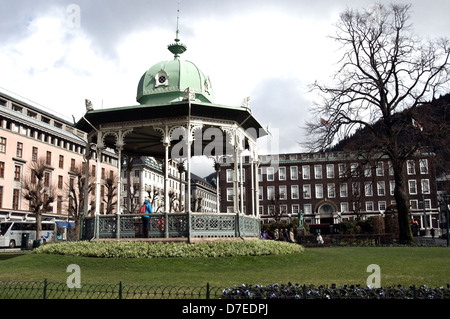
column 96, row 227
column 118, row 225
column 166, row 225
column 189, row 224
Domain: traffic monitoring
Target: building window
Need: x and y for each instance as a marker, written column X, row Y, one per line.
column 342, row 168
column 229, row 173
column 2, row 170
column 368, row 190
column 391, row 187
column 59, row 205
column 48, row 158
column 306, row 174
column 318, row 171
column 331, row 190
column 260, row 193
column 294, row 173
column 282, row 173
column 307, row 209
column 367, row 170
column 344, row 207
column 283, row 192
column 2, row 145
column 369, row 206
column 72, row 164
column 380, row 169
column 46, row 179
column 412, row 184
column 354, row 170
column 60, row 181
column 425, row 186
column 411, row 167
column 230, row 194
column 294, row 192
column 16, row 197
column 306, row 191
column 17, row 170
column 356, row 191
column 382, row 205
column 295, row 209
column 390, row 168
column 423, row 165
column 319, row 190
column 270, row 174
column 34, row 154
column 260, row 175
column 381, row 188
column 270, row 192
column 19, row 151
column 330, row 170
column 343, row 190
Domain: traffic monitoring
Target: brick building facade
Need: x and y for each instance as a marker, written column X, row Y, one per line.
column 332, row 187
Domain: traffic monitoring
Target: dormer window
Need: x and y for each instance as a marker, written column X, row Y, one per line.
column 161, row 78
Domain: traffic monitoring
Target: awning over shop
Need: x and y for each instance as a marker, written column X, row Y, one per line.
column 64, row 224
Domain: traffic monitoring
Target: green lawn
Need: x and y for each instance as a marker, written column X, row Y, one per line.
column 319, row 266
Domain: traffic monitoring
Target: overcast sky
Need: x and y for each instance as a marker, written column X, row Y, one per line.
column 268, row 50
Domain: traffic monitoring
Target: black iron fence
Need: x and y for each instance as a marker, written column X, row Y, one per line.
column 51, row 290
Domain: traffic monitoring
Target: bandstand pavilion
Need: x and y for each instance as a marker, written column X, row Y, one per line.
column 176, row 119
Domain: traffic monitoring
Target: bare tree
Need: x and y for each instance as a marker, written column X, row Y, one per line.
column 110, row 198
column 76, row 195
column 39, row 191
column 385, row 69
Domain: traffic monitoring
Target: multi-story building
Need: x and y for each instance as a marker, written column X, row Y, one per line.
column 332, row 187
column 27, row 134
column 144, row 179
column 204, row 195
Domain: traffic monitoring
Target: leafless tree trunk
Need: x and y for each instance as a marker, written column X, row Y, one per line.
column 385, row 69
column 37, row 192
column 76, row 195
column 111, row 194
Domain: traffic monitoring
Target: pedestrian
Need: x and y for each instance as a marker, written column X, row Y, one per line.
column 276, row 235
column 291, row 235
column 285, row 235
column 319, row 239
column 145, row 209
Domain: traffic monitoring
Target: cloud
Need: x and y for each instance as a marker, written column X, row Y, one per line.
column 268, row 50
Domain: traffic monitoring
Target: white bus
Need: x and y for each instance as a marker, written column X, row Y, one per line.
column 11, row 232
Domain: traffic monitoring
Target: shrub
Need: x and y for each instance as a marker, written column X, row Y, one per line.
column 157, row 250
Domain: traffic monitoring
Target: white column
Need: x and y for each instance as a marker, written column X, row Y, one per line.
column 257, row 186
column 119, row 179
column 235, row 180
column 166, row 175
column 252, row 178
column 217, row 168
column 98, row 181
column 188, row 151
column 241, row 186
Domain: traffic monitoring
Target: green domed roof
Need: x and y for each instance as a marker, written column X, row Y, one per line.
column 166, row 81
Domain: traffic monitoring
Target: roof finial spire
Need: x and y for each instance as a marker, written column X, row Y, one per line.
column 177, row 48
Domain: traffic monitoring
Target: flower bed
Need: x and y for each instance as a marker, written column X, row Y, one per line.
column 132, row 249
column 295, row 291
